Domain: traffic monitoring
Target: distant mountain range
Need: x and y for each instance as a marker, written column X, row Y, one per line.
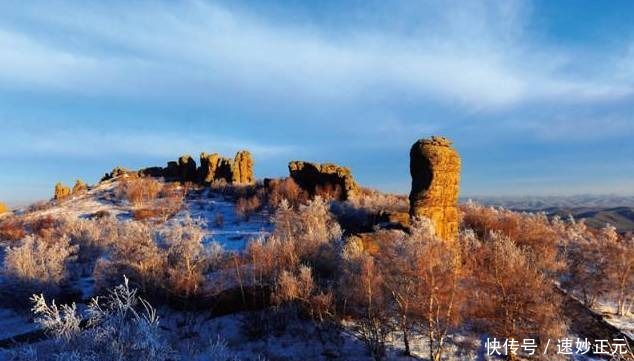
column 597, row 210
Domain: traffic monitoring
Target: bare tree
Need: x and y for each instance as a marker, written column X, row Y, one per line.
column 424, row 276
column 620, row 271
column 511, row 296
column 362, row 288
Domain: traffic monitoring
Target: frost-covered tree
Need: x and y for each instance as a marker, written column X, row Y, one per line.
column 187, row 256
column 423, row 275
column 511, row 297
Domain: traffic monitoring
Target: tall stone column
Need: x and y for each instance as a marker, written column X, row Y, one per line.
column 435, row 169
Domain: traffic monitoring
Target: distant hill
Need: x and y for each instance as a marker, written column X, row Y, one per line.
column 597, row 210
column 620, row 217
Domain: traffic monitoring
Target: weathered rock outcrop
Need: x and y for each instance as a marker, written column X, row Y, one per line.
column 243, row 168
column 209, row 164
column 117, row 172
column 156, row 172
column 435, row 170
column 312, row 176
column 80, row 187
column 3, row 208
column 61, row 192
column 214, row 167
column 187, row 169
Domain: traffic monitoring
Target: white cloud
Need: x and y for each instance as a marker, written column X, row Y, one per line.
column 479, row 57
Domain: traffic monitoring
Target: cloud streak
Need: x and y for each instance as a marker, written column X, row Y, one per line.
column 198, row 50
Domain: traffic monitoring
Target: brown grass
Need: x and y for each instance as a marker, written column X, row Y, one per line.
column 142, row 214
column 280, row 189
column 138, row 190
column 11, row 229
column 245, row 207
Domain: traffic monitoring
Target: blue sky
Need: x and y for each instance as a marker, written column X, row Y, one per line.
column 538, row 96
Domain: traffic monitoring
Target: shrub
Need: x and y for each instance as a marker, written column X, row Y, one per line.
column 39, row 206
column 424, row 276
column 375, row 201
column 44, row 227
column 11, row 229
column 92, row 236
column 620, row 269
column 170, row 262
column 245, row 207
column 310, row 227
column 362, row 289
column 137, row 190
column 187, row 256
column 135, row 254
column 142, row 214
column 328, row 191
column 120, row 326
column 170, row 201
column 531, row 231
column 285, row 189
column 511, row 297
column 36, row 264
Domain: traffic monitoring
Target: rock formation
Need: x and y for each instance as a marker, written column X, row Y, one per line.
column 239, row 170
column 213, row 167
column 80, row 187
column 209, row 164
column 435, row 170
column 243, row 168
column 187, row 169
column 61, row 191
column 3, row 208
column 116, row 172
column 311, row 176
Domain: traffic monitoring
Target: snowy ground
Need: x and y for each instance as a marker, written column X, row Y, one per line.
column 223, row 224
column 194, row 333
column 623, row 323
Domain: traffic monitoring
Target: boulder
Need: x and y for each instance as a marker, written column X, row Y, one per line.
column 187, row 171
column 80, row 187
column 117, row 172
column 435, row 171
column 171, row 172
column 311, row 176
column 61, row 192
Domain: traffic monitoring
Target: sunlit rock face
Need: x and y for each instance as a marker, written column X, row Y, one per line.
column 3, row 208
column 61, row 192
column 242, row 171
column 238, row 170
column 435, row 171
